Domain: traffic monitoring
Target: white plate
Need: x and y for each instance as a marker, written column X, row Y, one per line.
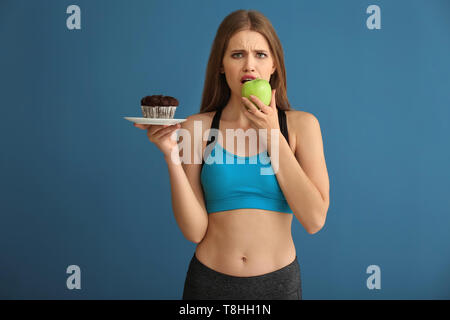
column 154, row 120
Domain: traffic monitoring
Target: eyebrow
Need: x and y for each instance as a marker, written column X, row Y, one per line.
column 258, row 50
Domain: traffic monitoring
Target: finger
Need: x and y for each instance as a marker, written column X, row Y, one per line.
column 244, row 106
column 164, row 131
column 157, row 128
column 249, row 105
column 256, row 101
column 252, row 109
column 141, row 126
column 168, row 134
column 266, row 110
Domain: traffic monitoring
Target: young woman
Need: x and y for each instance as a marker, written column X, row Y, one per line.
column 240, row 218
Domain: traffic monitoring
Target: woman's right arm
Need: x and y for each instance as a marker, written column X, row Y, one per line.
column 187, row 195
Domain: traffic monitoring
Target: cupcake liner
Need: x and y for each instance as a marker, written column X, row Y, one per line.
column 160, row 112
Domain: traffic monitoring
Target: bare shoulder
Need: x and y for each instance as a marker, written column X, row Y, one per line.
column 297, row 122
column 298, row 117
column 204, row 117
column 193, row 122
column 308, row 137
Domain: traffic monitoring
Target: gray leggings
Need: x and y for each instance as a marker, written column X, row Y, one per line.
column 204, row 283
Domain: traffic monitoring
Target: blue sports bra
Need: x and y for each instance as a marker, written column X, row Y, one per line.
column 233, row 182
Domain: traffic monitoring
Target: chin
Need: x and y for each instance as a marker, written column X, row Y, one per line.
column 236, row 92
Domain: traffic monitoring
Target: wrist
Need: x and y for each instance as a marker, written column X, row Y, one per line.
column 173, row 157
column 272, row 134
column 273, row 139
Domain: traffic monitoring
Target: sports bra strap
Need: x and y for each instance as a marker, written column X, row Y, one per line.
column 216, row 120
column 283, row 124
column 214, row 125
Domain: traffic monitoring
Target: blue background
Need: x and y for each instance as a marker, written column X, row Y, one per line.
column 80, row 185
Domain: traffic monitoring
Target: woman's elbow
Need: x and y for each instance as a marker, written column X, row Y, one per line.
column 197, row 236
column 195, row 240
column 317, row 226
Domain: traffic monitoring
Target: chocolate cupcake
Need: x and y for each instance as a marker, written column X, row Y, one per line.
column 159, row 106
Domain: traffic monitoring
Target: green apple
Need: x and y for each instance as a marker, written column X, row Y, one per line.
column 259, row 88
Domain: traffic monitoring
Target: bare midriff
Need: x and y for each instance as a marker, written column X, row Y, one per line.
column 247, row 242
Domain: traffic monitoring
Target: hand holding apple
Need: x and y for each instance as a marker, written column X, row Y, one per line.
column 263, row 116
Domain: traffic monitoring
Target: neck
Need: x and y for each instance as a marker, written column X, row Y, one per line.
column 233, row 112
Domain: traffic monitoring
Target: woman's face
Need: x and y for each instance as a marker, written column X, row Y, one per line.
column 248, row 53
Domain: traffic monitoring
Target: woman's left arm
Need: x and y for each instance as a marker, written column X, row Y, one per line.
column 303, row 177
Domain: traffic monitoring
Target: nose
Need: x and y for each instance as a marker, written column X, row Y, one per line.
column 249, row 65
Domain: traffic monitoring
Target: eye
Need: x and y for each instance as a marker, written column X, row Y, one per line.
column 234, row 54
column 265, row 55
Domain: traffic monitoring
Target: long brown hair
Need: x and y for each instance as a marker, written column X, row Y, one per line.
column 216, row 92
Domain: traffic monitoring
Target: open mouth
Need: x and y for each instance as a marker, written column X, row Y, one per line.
column 246, row 80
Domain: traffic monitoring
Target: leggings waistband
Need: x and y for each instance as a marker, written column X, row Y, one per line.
column 203, row 282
